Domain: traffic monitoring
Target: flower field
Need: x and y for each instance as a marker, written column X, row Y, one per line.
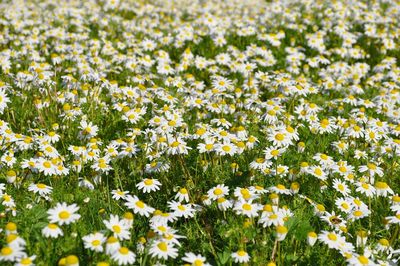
column 195, row 132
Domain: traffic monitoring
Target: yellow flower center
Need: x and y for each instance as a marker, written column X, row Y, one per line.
column 384, row 242
column 371, row 166
column 281, row 229
column 148, row 182
column 26, row 261
column 218, row 191
column 280, row 186
column 162, row 246
column 96, row 243
column 198, row 262
column 365, row 186
column 52, row 226
column 273, row 216
column 124, row 250
column 41, row 186
column 246, row 207
column 6, row 251
column 221, row 200
column 174, row 144
column 64, row 215
column 279, row 137
column 274, row 152
column 116, row 229
column 332, row 236
column 381, row 185
column 226, row 148
column 345, row 205
column 209, row 146
column 318, row 172
column 241, row 253
column 140, row 204
column 363, row 260
column 342, row 169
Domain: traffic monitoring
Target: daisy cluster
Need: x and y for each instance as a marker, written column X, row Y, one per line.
column 199, row 132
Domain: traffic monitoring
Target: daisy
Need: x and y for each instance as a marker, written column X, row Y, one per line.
column 280, row 189
column 162, row 229
column 112, row 245
column 163, row 250
column 372, row 169
column 245, row 194
column 279, row 139
column 333, row 220
column 223, row 204
column 331, row 239
column 148, row 185
column 394, row 219
column 63, row 213
column 273, row 152
column 94, row 241
column 357, row 214
column 383, row 189
column 118, row 194
column 365, row 189
column 88, row 130
column 240, row 256
column 26, row 261
column 217, row 192
column 226, row 148
column 128, row 219
column 195, row 260
column 208, row 146
column 323, row 159
column 360, row 260
column 40, row 188
column 118, row 227
column 260, row 164
column 14, row 240
column 383, row 245
column 182, row 195
column 362, row 237
column 281, row 232
column 341, row 146
column 52, row 137
column 318, row 172
column 160, row 217
column 52, row 230
column 181, row 210
column 71, row 260
column 8, row 253
column 49, row 151
column 46, row 167
column 344, row 205
column 360, row 154
column 138, row 206
column 342, row 168
column 295, row 187
column 178, row 146
column 123, row 256
column 248, row 209
column 311, row 238
column 268, row 219
column 341, row 187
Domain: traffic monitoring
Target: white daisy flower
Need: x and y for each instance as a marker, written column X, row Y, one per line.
column 63, row 213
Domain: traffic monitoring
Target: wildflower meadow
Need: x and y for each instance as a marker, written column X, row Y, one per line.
column 199, row 132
